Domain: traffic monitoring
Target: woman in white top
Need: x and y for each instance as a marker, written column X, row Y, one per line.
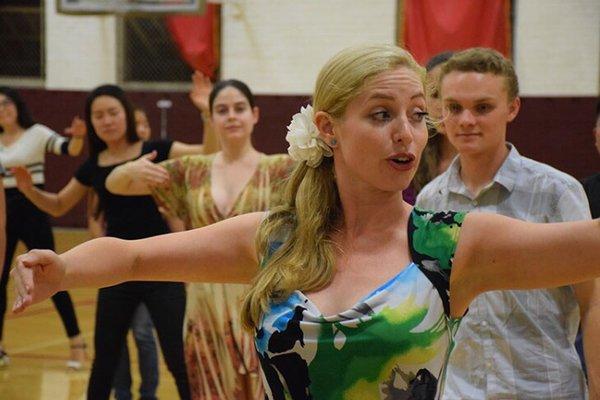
column 25, row 143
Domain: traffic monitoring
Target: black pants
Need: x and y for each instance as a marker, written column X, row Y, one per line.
column 27, row 223
column 116, row 305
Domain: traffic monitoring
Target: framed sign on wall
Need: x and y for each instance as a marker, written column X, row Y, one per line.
column 129, row 6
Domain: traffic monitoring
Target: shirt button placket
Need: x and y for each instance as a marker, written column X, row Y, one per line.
column 487, row 349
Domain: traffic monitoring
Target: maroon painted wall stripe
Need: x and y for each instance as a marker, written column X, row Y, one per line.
column 554, row 130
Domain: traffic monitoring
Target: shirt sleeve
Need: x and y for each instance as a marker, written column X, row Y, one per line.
column 162, row 148
column 572, row 205
column 85, row 173
column 172, row 197
column 55, row 143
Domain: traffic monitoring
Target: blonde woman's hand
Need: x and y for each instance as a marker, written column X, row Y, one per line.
column 145, row 170
column 77, row 128
column 37, row 276
column 201, row 88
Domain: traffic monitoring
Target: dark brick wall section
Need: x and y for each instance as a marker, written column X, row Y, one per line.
column 557, row 131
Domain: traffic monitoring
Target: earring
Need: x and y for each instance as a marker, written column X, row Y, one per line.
column 333, row 142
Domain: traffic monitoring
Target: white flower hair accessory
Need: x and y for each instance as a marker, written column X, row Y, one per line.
column 304, row 141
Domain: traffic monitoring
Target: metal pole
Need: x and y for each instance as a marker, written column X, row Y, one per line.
column 163, row 105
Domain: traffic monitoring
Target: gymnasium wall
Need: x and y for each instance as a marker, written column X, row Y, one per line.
column 277, row 47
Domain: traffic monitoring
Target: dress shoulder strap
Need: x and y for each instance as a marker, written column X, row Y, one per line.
column 432, row 238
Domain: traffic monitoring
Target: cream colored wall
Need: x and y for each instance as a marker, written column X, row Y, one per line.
column 80, row 50
column 278, row 46
column 557, row 47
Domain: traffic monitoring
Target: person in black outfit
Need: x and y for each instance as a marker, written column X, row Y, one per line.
column 113, row 141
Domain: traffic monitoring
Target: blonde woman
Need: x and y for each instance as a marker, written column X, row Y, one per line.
column 351, row 286
column 201, row 190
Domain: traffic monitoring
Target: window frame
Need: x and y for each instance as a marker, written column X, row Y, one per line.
column 30, row 81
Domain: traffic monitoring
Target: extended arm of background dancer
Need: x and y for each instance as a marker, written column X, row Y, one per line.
column 199, row 94
column 134, row 177
column 55, row 204
column 77, row 132
column 523, row 255
column 71, row 147
column 201, row 88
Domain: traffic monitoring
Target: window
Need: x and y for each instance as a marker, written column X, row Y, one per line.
column 148, row 52
column 21, row 33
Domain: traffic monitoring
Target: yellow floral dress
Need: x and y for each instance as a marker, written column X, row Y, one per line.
column 221, row 359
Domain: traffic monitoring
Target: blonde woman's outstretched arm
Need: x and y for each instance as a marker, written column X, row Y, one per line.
column 497, row 253
column 222, row 252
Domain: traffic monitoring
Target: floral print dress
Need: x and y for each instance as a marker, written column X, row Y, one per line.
column 221, row 360
column 393, row 344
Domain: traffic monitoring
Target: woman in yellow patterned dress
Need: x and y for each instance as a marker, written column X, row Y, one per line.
column 201, row 190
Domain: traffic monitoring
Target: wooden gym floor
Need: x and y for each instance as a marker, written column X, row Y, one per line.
column 38, row 347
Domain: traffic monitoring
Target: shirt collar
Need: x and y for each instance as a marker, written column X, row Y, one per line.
column 509, row 170
column 506, row 176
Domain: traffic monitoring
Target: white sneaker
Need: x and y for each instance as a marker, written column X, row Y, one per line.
column 4, row 359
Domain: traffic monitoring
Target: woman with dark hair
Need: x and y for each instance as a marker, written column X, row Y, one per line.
column 202, row 190
column 113, row 141
column 23, row 142
column 439, row 152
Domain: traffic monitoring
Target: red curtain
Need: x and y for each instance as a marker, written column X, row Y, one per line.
column 197, row 38
column 433, row 26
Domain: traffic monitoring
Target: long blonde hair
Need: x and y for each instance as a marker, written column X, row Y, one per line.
column 311, row 204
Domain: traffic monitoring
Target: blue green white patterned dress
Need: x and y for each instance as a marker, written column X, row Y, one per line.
column 393, row 344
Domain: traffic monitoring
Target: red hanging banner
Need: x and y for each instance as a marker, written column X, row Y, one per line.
column 197, row 38
column 433, row 26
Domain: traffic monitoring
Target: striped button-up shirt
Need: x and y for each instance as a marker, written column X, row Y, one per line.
column 515, row 344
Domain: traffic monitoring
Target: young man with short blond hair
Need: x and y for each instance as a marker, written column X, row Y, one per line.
column 511, row 344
